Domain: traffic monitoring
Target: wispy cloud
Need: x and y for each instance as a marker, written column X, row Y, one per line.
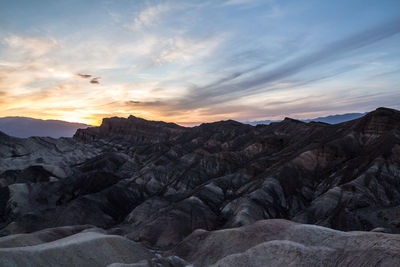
column 238, row 2
column 31, row 47
column 150, row 16
column 264, row 81
column 221, row 96
column 381, row 74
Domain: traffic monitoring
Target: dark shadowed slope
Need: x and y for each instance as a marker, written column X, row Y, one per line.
column 26, row 127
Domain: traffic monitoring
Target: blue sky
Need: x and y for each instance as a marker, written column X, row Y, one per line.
column 197, row 61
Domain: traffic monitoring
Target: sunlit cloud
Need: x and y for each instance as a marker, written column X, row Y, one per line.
column 31, row 47
column 59, row 74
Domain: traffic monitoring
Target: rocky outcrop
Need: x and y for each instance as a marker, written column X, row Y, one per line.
column 273, row 242
column 379, row 122
column 132, row 128
column 55, row 155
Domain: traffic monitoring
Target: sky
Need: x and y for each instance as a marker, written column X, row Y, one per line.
column 197, row 61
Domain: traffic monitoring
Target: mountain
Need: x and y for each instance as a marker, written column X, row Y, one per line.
column 339, row 118
column 24, row 127
column 221, row 194
column 332, row 119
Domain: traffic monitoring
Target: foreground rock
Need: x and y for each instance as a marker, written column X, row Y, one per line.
column 82, row 249
column 265, row 243
column 284, row 243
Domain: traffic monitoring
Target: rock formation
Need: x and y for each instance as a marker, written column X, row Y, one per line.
column 216, row 189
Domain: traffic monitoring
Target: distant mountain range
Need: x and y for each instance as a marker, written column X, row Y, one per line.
column 332, row 119
column 24, row 127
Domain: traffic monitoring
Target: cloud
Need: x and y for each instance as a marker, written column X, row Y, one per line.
column 381, row 74
column 150, row 16
column 238, row 2
column 31, row 47
column 160, row 39
column 221, row 91
column 151, row 104
column 132, row 102
column 28, row 60
column 3, row 97
column 95, row 80
column 156, row 50
column 174, row 63
column 186, row 50
column 84, row 76
column 157, row 90
column 229, row 95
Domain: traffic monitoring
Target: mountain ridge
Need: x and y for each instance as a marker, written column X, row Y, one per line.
column 23, row 127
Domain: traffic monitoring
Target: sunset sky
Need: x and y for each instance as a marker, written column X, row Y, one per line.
column 197, row 61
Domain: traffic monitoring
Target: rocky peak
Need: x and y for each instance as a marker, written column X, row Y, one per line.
column 221, row 125
column 131, row 128
column 378, row 122
column 287, row 120
column 288, row 126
